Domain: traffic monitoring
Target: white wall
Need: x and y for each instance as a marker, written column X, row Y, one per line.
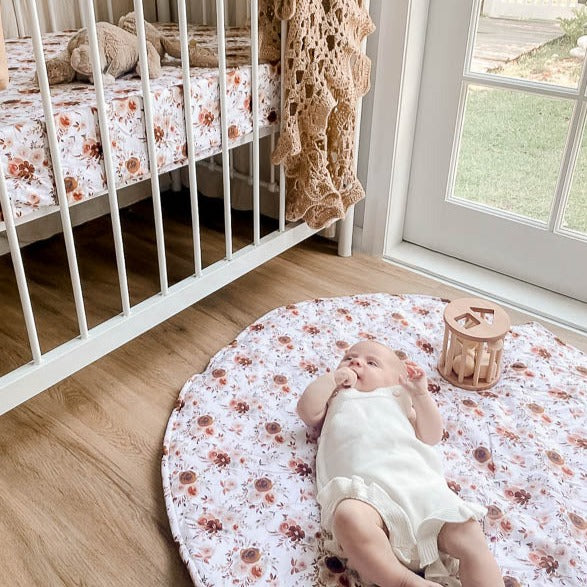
column 66, row 13
column 381, row 140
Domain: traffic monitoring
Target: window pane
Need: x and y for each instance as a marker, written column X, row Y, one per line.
column 525, row 40
column 575, row 217
column 510, row 151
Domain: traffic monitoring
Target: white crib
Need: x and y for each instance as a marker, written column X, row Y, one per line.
column 47, row 368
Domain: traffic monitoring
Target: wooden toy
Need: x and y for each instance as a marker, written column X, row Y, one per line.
column 474, row 332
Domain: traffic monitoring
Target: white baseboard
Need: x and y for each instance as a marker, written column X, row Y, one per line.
column 546, row 305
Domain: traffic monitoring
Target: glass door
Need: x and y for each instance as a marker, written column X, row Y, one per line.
column 499, row 167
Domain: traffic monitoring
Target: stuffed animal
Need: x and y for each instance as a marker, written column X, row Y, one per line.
column 118, row 50
column 198, row 56
column 269, row 51
column 119, row 53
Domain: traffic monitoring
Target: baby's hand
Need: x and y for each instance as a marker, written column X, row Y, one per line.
column 416, row 382
column 345, row 377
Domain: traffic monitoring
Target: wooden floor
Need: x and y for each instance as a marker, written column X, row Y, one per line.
column 82, row 502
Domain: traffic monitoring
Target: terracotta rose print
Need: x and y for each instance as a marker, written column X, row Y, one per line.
column 24, row 150
column 238, row 465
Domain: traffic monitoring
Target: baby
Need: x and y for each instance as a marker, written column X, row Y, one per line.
column 381, row 489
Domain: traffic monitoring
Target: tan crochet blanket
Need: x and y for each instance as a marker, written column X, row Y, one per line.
column 325, row 75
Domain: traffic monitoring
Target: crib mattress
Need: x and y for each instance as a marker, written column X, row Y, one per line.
column 239, row 465
column 24, row 152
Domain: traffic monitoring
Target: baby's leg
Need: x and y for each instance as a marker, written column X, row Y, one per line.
column 466, row 542
column 361, row 533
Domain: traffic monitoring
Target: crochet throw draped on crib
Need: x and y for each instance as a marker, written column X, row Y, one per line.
column 325, row 75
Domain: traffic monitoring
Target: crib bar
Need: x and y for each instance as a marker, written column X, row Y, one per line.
column 52, row 19
column 224, row 125
column 241, row 11
column 235, row 174
column 281, row 167
column 250, row 175
column 20, row 24
column 87, row 6
column 27, row 381
column 176, row 184
column 82, row 14
column 163, row 10
column 189, row 133
column 345, row 239
column 271, row 166
column 57, row 169
column 110, row 11
column 23, row 290
column 205, row 12
column 150, row 131
column 255, row 99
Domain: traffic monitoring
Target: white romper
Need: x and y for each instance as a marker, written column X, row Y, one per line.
column 368, row 450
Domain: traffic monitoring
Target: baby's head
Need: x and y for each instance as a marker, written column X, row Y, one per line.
column 375, row 365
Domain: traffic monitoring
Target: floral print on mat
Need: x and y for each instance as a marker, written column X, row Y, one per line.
column 24, row 149
column 238, row 464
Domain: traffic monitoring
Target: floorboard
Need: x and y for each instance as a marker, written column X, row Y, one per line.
column 82, row 502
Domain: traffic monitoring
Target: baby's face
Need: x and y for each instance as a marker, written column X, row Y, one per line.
column 374, row 364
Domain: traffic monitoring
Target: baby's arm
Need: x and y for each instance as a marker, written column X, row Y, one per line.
column 314, row 401
column 428, row 421
column 312, row 405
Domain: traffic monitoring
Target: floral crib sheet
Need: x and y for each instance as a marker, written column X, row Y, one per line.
column 238, row 464
column 24, row 150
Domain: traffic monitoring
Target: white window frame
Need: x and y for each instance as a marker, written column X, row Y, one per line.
column 385, row 162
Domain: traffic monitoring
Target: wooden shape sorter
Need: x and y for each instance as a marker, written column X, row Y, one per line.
column 473, row 343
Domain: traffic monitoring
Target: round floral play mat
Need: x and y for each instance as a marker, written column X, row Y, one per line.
column 238, row 464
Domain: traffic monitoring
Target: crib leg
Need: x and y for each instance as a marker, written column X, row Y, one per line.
column 176, row 180
column 345, row 238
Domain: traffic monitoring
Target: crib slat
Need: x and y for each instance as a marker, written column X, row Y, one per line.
column 163, row 10
column 82, row 14
column 110, row 11
column 205, row 12
column 23, row 290
column 241, row 11
column 345, row 240
column 250, row 177
column 271, row 166
column 255, row 114
column 189, row 133
column 151, row 147
column 224, row 125
column 57, row 169
column 87, row 6
column 281, row 167
column 18, row 14
column 52, row 19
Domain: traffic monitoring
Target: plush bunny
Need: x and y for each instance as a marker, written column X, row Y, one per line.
column 118, row 55
column 199, row 56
